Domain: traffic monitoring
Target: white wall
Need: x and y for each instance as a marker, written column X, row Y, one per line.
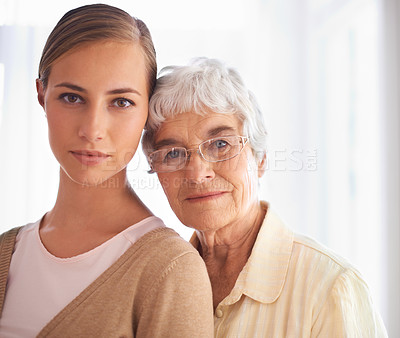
column 391, row 158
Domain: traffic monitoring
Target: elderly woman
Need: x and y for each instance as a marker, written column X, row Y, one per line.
column 206, row 140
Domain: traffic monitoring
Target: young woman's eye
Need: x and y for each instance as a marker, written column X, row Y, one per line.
column 71, row 98
column 123, row 103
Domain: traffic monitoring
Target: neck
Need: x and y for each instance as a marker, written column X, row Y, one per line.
column 86, row 216
column 227, row 250
column 78, row 204
column 232, row 240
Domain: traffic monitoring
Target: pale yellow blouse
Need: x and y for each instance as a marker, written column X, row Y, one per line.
column 293, row 286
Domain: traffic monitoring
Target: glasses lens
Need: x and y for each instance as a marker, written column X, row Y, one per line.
column 221, row 148
column 214, row 150
column 165, row 160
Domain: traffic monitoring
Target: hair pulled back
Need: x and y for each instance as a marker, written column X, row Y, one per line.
column 92, row 23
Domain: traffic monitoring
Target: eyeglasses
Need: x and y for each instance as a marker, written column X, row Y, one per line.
column 213, row 150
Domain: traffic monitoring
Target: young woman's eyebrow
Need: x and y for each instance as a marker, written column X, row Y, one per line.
column 72, row 87
column 112, row 92
column 124, row 91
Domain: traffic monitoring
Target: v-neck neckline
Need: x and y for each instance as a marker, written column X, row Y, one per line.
column 92, row 287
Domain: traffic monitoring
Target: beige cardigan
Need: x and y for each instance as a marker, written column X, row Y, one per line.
column 158, row 288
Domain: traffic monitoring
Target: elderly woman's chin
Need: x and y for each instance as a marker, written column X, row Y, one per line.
column 208, row 217
column 212, row 214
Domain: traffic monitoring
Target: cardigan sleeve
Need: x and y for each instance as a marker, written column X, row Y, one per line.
column 7, row 243
column 179, row 303
column 348, row 311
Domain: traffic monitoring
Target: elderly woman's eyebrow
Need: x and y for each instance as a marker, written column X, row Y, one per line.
column 165, row 142
column 216, row 131
column 210, row 133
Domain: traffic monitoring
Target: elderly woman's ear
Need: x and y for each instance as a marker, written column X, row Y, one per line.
column 262, row 165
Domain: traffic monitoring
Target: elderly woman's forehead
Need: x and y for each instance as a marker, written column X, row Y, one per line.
column 193, row 122
column 196, row 119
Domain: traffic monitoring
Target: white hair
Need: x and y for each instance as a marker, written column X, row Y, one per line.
column 204, row 86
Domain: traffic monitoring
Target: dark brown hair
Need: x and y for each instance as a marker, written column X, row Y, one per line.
column 93, row 23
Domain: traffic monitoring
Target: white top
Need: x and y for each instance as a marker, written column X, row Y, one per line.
column 40, row 285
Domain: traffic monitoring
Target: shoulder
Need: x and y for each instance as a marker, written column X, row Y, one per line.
column 169, row 253
column 174, row 288
column 18, row 231
column 7, row 241
column 322, row 271
column 11, row 236
column 320, row 263
column 312, row 251
column 339, row 295
column 295, row 253
column 164, row 263
column 169, row 239
column 168, row 245
column 162, row 249
column 278, row 246
column 304, row 263
column 7, row 248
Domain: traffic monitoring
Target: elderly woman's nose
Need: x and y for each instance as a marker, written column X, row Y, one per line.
column 198, row 169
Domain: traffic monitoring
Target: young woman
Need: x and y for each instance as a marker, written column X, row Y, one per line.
column 99, row 264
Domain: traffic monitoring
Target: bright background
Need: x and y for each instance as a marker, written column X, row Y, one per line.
column 325, row 72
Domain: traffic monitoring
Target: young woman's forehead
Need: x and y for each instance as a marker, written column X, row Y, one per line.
column 112, row 66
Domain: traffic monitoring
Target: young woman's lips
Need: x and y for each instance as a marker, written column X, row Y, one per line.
column 205, row 196
column 89, row 157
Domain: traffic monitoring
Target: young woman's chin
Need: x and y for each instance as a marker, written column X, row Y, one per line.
column 101, row 178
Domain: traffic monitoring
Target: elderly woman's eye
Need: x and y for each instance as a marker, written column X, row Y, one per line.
column 221, row 143
column 217, row 148
column 173, row 154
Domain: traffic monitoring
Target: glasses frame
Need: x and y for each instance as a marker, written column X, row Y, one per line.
column 243, row 140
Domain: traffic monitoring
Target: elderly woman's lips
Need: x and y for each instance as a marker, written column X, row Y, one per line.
column 205, row 196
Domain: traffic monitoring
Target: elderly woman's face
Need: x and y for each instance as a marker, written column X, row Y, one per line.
column 205, row 195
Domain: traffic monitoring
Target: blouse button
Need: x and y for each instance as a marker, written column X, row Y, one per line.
column 219, row 313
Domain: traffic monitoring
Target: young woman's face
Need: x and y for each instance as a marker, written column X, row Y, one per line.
column 96, row 103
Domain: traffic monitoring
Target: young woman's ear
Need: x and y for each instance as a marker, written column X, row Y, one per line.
column 40, row 92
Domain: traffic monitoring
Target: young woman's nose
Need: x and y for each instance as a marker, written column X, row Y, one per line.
column 93, row 124
column 198, row 170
